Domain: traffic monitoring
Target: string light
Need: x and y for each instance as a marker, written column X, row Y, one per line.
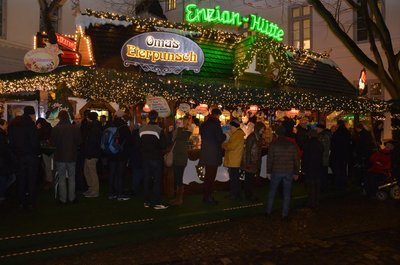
column 132, row 88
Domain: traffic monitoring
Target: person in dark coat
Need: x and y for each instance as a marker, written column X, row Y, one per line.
column 251, row 159
column 312, row 167
column 25, row 146
column 44, row 133
column 302, row 132
column 152, row 146
column 364, row 145
column 91, row 149
column 283, row 165
column 180, row 157
column 6, row 161
column 212, row 138
column 135, row 161
column 340, row 155
column 117, row 162
column 66, row 138
column 324, row 136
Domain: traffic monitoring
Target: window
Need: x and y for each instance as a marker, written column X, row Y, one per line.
column 171, row 5
column 375, row 89
column 300, row 26
column 262, row 61
column 2, row 18
column 55, row 19
column 361, row 28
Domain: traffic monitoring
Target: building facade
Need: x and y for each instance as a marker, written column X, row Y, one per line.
column 305, row 29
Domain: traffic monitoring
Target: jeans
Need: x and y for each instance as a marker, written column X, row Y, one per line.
column 249, row 185
column 5, row 182
column 117, row 170
column 313, row 188
column 276, row 179
column 26, row 179
column 137, row 179
column 234, row 182
column 339, row 170
column 152, row 181
column 46, row 159
column 64, row 170
column 209, row 179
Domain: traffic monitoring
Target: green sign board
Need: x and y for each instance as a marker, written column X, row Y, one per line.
column 195, row 14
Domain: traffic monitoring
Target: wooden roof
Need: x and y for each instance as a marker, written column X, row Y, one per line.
column 314, row 75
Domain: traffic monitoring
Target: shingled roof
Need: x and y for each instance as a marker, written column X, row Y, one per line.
column 320, row 77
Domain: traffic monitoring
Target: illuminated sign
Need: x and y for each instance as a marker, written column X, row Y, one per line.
column 163, row 53
column 66, row 42
column 215, row 15
column 42, row 60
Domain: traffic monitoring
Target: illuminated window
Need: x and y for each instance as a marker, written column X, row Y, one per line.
column 2, row 18
column 361, row 32
column 300, row 26
column 262, row 61
column 55, row 18
column 171, row 5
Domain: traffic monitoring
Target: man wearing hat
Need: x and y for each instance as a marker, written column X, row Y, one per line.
column 283, row 165
column 25, row 146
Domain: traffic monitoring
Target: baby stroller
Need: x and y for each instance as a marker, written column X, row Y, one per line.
column 389, row 187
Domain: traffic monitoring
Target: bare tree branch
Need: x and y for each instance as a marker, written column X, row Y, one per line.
column 376, row 31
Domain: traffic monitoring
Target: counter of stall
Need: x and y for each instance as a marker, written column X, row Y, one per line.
column 191, row 173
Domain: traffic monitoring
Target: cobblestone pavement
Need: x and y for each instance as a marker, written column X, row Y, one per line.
column 346, row 230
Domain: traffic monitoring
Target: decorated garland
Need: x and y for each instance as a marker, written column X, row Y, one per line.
column 131, row 88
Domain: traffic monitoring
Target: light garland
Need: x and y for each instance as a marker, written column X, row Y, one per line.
column 132, row 88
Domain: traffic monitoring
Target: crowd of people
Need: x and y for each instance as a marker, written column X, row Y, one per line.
column 73, row 153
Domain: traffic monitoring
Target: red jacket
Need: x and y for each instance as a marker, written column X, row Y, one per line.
column 380, row 162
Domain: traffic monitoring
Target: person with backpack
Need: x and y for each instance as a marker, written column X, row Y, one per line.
column 114, row 144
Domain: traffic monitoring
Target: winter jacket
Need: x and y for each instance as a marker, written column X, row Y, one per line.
column 312, row 159
column 380, row 162
column 340, row 145
column 325, row 138
column 251, row 160
column 212, row 138
column 234, row 148
column 44, row 134
column 134, row 150
column 92, row 139
column 152, row 142
column 123, row 138
column 6, row 161
column 363, row 146
column 301, row 136
column 181, row 147
column 23, row 137
column 283, row 157
column 66, row 138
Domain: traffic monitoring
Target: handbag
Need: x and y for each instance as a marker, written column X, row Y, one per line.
column 169, row 157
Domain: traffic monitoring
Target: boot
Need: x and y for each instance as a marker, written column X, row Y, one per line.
column 179, row 197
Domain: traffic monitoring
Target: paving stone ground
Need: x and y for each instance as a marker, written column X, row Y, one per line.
column 348, row 229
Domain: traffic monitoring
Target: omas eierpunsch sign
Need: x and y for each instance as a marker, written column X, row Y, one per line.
column 162, row 53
